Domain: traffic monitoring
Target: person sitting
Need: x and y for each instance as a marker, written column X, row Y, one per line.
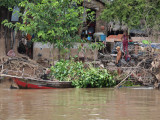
column 45, row 76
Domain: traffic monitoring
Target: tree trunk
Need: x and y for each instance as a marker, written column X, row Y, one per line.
column 2, row 43
column 59, row 53
column 52, row 53
column 3, row 15
column 8, row 34
column 15, row 41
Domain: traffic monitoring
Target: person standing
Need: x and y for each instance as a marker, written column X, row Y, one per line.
column 118, row 59
column 125, row 43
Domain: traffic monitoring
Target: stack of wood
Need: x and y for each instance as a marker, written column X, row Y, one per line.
column 21, row 67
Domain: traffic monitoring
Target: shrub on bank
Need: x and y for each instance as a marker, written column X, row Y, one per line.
column 68, row 70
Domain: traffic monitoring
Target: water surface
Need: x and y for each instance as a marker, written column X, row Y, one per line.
column 79, row 104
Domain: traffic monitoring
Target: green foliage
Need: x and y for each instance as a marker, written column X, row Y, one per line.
column 54, row 21
column 82, row 77
column 9, row 3
column 66, row 70
column 94, row 77
column 12, row 3
column 97, row 45
column 133, row 13
column 128, row 83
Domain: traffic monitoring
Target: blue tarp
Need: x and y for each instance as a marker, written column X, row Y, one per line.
column 153, row 45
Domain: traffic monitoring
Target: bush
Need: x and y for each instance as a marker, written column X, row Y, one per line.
column 68, row 70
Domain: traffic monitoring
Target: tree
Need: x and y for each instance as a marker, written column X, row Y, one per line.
column 5, row 33
column 12, row 3
column 141, row 14
column 4, row 14
column 54, row 21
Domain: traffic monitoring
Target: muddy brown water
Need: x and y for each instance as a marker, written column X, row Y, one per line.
column 79, row 104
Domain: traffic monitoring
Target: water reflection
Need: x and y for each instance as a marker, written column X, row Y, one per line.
column 79, row 104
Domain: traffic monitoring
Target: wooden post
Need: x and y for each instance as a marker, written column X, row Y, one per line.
column 23, row 72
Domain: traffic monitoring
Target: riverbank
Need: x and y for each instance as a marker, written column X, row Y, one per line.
column 82, row 75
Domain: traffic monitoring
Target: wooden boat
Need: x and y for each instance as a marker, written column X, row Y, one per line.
column 40, row 84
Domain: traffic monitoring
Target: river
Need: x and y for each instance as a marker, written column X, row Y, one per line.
column 79, row 104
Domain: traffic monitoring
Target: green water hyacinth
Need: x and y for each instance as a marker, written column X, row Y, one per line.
column 91, row 77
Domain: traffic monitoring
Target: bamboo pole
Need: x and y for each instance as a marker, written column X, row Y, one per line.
column 117, row 86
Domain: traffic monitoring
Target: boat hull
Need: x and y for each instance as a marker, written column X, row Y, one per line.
column 40, row 84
